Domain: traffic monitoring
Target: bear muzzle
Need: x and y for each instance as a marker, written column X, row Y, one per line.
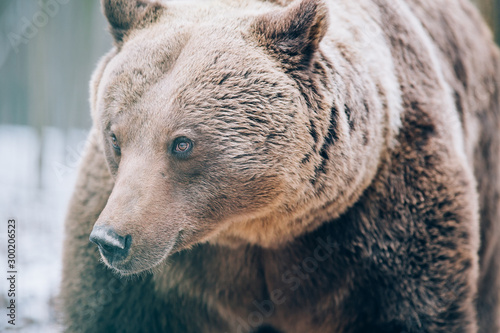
column 113, row 247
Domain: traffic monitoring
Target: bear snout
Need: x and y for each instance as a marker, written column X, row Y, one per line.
column 112, row 246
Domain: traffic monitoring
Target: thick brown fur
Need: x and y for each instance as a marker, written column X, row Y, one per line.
column 344, row 173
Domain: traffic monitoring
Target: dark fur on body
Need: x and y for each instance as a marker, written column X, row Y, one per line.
column 416, row 249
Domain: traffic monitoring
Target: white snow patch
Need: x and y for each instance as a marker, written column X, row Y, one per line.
column 35, row 190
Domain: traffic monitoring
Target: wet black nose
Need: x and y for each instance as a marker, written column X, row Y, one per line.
column 112, row 246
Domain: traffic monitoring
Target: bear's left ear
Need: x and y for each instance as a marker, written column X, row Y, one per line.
column 125, row 15
column 294, row 32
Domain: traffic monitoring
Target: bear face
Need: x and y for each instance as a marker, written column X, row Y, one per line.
column 208, row 135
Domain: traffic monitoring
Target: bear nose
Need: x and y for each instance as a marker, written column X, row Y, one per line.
column 112, row 246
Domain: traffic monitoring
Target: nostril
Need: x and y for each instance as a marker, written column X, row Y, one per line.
column 106, row 247
column 112, row 246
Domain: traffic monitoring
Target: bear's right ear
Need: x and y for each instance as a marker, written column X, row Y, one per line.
column 125, row 15
column 293, row 33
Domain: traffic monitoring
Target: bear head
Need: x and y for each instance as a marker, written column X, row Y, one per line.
column 205, row 113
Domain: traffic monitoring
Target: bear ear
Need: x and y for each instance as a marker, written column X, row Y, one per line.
column 295, row 31
column 125, row 15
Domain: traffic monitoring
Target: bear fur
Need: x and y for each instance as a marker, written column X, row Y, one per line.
column 278, row 166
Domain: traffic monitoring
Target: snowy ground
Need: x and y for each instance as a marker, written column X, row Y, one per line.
column 34, row 190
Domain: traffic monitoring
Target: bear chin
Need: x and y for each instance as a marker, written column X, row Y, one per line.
column 134, row 265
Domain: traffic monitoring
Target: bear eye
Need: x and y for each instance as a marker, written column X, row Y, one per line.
column 182, row 146
column 114, row 142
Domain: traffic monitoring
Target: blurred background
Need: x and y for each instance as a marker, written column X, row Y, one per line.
column 48, row 50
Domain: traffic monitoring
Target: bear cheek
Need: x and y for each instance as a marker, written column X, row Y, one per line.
column 242, row 198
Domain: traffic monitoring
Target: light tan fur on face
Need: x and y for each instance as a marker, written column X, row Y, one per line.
column 349, row 175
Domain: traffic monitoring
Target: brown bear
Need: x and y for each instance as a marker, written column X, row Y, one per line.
column 279, row 166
